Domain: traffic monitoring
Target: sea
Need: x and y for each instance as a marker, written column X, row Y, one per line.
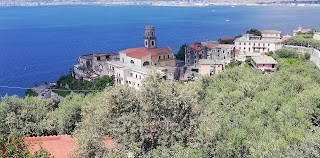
column 39, row 44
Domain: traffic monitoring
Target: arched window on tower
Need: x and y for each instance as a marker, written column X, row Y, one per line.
column 146, row 43
column 152, row 43
column 131, row 62
column 152, row 34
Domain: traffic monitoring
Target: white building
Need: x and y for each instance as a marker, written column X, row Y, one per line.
column 135, row 64
column 316, row 36
column 300, row 30
column 270, row 40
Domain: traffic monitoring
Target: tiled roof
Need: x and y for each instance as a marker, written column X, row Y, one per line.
column 143, row 52
column 61, row 146
column 196, row 46
column 270, row 32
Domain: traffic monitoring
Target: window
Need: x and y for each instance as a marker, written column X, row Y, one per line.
column 152, row 43
column 140, row 77
column 159, row 57
column 240, row 48
column 131, row 74
column 249, row 44
column 122, row 60
column 138, row 85
column 168, row 56
column 136, row 76
column 240, row 43
column 129, row 82
column 164, row 57
column 195, row 61
column 249, row 49
column 244, row 44
column 268, row 44
column 146, row 43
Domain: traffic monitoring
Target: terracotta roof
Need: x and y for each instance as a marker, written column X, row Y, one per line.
column 286, row 37
column 143, row 52
column 196, row 46
column 159, row 51
column 270, row 32
column 61, row 146
column 136, row 52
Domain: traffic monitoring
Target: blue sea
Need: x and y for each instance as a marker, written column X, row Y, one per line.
column 39, row 44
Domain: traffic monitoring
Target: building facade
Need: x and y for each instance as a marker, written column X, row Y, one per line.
column 135, row 64
column 209, row 50
column 264, row 63
column 270, row 40
column 300, row 30
column 210, row 67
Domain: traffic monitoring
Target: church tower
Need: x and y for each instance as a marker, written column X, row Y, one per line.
column 150, row 40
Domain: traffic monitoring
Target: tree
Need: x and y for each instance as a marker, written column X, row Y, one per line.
column 254, row 32
column 181, row 53
column 24, row 116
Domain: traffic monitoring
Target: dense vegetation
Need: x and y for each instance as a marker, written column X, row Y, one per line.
column 181, row 53
column 254, row 32
column 239, row 113
column 70, row 83
column 304, row 40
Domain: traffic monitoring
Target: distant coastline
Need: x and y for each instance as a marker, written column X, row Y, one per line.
column 166, row 4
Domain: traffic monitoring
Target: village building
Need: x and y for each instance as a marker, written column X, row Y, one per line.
column 300, row 30
column 210, row 67
column 135, row 64
column 91, row 66
column 209, row 50
column 270, row 40
column 220, row 52
column 264, row 63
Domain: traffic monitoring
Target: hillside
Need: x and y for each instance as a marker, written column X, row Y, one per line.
column 239, row 113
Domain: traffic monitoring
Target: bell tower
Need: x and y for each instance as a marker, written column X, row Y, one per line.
column 150, row 40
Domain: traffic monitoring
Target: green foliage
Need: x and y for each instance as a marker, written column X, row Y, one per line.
column 306, row 56
column 141, row 120
column 286, row 53
column 238, row 113
column 234, row 63
column 303, row 40
column 30, row 93
column 70, row 83
column 270, row 53
column 63, row 120
column 254, row 32
column 24, row 116
column 181, row 53
column 62, row 91
column 13, row 146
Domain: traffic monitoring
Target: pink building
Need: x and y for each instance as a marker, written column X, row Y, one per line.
column 265, row 63
column 210, row 67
